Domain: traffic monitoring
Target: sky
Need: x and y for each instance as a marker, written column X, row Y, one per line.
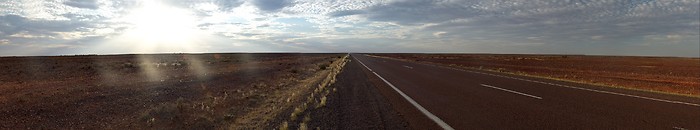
column 591, row 27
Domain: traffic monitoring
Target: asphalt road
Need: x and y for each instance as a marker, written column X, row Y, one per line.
column 357, row 104
column 472, row 99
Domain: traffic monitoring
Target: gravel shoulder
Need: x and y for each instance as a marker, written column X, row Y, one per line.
column 364, row 102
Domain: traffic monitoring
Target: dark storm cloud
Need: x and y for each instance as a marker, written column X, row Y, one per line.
column 89, row 4
column 271, row 5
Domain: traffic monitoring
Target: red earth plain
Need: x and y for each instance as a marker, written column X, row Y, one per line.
column 163, row 91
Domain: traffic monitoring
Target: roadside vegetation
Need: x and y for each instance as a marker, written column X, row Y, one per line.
column 300, row 116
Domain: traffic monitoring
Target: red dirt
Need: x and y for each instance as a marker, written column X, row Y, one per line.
column 163, row 91
column 665, row 74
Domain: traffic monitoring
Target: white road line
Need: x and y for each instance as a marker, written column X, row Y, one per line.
column 414, row 103
column 409, row 67
column 579, row 88
column 511, row 91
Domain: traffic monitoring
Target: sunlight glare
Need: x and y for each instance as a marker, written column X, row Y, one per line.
column 158, row 27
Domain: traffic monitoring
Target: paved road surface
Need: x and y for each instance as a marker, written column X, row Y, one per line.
column 471, row 99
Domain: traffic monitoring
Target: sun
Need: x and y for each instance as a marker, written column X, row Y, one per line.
column 159, row 27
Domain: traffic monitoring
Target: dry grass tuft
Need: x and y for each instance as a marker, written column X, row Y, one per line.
column 284, row 126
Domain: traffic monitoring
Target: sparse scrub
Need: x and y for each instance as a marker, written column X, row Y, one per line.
column 302, row 126
column 307, row 118
column 120, row 87
column 323, row 66
column 296, row 113
column 284, row 126
column 165, row 112
column 322, row 103
column 318, row 96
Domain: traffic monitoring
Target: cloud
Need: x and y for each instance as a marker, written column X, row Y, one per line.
column 88, row 4
column 439, row 34
column 222, row 5
column 342, row 13
column 39, row 36
column 597, row 37
column 271, row 5
column 569, row 24
column 654, row 27
column 4, row 41
column 15, row 24
column 226, row 5
column 420, row 11
column 11, row 24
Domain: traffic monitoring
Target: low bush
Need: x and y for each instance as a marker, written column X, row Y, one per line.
column 323, row 66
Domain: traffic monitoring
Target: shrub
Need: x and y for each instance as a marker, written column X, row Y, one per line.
column 296, row 113
column 302, row 126
column 323, row 66
column 323, row 102
column 284, row 126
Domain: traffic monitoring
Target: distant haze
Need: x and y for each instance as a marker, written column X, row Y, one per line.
column 600, row 27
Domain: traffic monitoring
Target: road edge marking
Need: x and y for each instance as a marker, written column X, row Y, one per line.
column 588, row 89
column 410, row 100
column 516, row 92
